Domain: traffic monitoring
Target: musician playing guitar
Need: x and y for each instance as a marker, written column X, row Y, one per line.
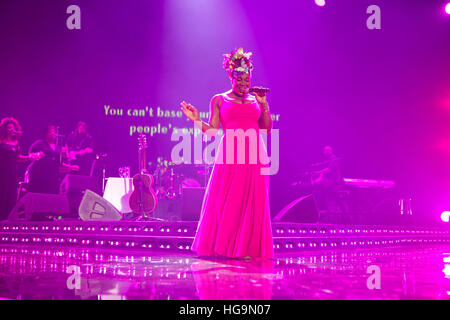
column 79, row 148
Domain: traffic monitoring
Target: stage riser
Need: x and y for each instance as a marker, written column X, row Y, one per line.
column 178, row 236
column 188, row 229
column 183, row 244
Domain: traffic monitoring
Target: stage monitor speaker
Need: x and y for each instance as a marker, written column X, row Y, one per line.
column 39, row 206
column 192, row 203
column 301, row 210
column 95, row 208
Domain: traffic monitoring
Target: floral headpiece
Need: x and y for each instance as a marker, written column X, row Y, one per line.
column 238, row 61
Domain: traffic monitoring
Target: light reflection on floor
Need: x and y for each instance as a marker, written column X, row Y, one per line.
column 405, row 273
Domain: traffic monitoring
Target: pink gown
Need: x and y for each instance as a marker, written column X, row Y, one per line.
column 235, row 216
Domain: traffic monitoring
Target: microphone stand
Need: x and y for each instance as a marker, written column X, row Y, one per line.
column 102, row 159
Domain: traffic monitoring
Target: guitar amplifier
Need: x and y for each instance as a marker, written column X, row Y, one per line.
column 192, row 203
column 73, row 187
column 76, row 183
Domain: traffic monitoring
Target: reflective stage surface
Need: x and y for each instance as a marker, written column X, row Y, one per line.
column 400, row 273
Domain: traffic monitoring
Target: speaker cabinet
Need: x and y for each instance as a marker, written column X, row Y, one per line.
column 301, row 210
column 95, row 208
column 39, row 206
column 192, row 203
column 73, row 187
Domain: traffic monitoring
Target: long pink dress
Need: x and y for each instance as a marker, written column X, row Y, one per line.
column 235, row 215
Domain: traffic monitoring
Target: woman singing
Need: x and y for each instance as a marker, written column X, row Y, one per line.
column 10, row 132
column 235, row 215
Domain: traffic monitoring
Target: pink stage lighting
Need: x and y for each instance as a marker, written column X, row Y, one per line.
column 320, row 3
column 447, row 8
column 445, row 216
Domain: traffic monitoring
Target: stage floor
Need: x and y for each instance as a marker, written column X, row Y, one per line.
column 405, row 273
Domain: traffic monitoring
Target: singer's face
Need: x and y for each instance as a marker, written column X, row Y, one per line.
column 82, row 129
column 327, row 151
column 51, row 134
column 10, row 128
column 241, row 83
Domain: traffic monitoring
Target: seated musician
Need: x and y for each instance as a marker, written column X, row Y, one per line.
column 327, row 179
column 330, row 174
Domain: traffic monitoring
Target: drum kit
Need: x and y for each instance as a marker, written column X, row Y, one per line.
column 171, row 178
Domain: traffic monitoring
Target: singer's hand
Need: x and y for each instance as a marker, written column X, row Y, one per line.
column 260, row 97
column 36, row 156
column 190, row 111
column 72, row 155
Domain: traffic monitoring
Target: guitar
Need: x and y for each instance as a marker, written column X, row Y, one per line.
column 143, row 199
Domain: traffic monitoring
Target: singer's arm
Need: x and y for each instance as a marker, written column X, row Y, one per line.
column 30, row 157
column 65, row 167
column 212, row 126
column 85, row 151
column 265, row 120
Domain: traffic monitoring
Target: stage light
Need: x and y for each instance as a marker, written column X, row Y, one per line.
column 447, row 8
column 446, row 214
column 320, row 3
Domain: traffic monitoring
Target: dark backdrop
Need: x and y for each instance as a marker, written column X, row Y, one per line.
column 380, row 97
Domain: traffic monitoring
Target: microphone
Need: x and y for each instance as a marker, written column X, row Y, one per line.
column 101, row 156
column 258, row 90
